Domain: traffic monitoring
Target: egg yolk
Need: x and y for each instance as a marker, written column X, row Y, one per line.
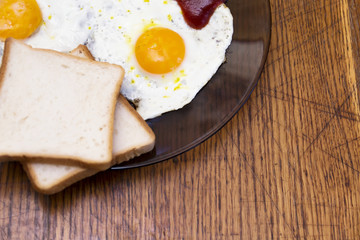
column 159, row 50
column 19, row 18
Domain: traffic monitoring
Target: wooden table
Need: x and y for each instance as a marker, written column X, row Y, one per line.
column 285, row 167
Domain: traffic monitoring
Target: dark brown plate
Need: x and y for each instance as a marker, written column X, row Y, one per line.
column 181, row 130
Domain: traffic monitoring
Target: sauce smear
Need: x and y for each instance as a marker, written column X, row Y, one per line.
column 197, row 13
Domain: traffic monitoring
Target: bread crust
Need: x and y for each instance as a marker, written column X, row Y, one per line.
column 66, row 181
column 81, row 173
column 121, row 157
column 4, row 64
column 67, row 160
column 82, row 50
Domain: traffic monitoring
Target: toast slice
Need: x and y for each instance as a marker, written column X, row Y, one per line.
column 56, row 107
column 132, row 137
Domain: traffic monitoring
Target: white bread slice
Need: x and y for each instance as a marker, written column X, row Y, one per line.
column 132, row 137
column 83, row 52
column 57, row 107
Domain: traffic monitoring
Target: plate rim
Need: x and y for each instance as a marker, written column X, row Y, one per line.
column 221, row 123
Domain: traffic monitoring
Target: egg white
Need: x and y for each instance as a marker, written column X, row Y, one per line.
column 110, row 29
column 66, row 24
column 114, row 38
column 1, row 51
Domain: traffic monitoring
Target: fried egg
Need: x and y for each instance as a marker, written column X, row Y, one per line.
column 166, row 62
column 19, row 18
column 63, row 24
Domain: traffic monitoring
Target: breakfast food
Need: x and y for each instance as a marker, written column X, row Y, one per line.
column 132, row 137
column 56, row 106
column 128, row 32
column 158, row 78
column 82, row 51
column 57, row 111
column 19, row 18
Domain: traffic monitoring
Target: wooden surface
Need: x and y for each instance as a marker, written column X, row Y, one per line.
column 285, row 167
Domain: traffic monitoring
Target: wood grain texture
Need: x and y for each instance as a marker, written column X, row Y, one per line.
column 286, row 166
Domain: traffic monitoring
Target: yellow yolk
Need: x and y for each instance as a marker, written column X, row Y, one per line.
column 159, row 50
column 19, row 18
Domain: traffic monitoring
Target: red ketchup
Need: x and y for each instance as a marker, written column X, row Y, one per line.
column 197, row 13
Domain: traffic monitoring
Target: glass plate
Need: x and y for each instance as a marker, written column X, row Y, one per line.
column 181, row 130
